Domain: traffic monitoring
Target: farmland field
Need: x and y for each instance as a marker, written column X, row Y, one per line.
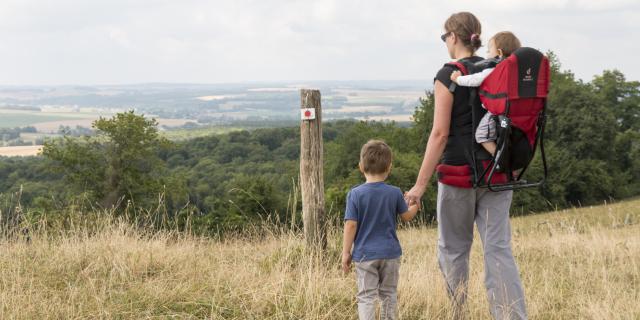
column 20, row 151
column 12, row 120
column 185, row 134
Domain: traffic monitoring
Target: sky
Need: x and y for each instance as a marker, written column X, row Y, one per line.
column 93, row 42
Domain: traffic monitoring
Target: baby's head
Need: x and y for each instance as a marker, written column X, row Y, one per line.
column 375, row 158
column 503, row 44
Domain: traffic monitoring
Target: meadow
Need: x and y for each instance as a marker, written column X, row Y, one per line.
column 12, row 120
column 581, row 263
column 204, row 131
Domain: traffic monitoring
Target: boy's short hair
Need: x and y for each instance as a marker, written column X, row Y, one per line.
column 506, row 41
column 375, row 157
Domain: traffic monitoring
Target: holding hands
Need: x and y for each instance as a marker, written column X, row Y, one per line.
column 412, row 197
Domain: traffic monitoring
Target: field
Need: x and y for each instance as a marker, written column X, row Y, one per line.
column 20, row 151
column 12, row 120
column 185, row 134
column 213, row 103
column 49, row 120
column 575, row 264
column 53, row 126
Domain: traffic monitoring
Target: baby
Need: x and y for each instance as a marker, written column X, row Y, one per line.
column 501, row 46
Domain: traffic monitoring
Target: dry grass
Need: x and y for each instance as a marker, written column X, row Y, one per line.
column 575, row 264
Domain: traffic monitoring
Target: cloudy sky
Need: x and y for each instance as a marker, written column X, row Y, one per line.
column 52, row 42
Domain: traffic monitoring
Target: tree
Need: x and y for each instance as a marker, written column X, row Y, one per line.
column 121, row 162
column 423, row 120
column 621, row 97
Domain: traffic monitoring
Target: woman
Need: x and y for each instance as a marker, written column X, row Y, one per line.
column 458, row 208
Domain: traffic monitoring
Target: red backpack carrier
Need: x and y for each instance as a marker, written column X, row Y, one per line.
column 516, row 94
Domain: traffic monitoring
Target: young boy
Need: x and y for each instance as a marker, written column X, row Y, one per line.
column 370, row 228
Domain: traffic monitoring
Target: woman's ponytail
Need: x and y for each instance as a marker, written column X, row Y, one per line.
column 475, row 41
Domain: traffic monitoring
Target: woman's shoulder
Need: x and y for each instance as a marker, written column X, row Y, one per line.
column 447, row 67
column 444, row 74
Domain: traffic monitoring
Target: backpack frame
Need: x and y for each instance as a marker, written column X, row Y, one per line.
column 516, row 94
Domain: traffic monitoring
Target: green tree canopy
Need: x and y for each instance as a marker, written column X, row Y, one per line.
column 121, row 162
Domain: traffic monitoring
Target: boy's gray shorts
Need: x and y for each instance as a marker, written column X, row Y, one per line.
column 378, row 279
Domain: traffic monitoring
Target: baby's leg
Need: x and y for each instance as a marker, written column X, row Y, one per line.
column 490, row 146
column 486, row 133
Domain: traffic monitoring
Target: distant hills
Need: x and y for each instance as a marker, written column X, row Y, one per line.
column 223, row 103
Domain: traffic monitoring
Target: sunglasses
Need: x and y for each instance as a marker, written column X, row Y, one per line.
column 444, row 36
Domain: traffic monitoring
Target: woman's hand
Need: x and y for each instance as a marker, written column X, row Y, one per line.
column 413, row 196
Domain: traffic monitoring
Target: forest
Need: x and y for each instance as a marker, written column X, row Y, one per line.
column 235, row 179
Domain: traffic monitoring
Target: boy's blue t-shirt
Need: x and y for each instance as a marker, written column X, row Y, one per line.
column 375, row 207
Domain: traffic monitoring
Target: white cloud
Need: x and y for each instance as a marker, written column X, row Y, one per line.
column 125, row 41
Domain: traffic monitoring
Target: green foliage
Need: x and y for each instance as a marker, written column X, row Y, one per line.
column 120, row 163
column 231, row 180
column 619, row 96
column 423, row 118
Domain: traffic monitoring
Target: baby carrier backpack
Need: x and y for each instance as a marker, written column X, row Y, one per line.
column 516, row 95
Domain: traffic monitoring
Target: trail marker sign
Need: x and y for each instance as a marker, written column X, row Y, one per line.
column 308, row 113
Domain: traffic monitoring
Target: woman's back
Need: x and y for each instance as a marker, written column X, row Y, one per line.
column 461, row 127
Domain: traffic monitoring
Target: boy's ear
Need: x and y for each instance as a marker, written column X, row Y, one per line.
column 500, row 54
column 360, row 167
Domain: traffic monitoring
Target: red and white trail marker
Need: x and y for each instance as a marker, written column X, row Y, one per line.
column 307, row 113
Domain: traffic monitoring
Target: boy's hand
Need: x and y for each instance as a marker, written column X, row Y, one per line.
column 346, row 262
column 413, row 196
column 413, row 203
column 455, row 75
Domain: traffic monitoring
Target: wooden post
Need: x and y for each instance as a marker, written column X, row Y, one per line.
column 311, row 169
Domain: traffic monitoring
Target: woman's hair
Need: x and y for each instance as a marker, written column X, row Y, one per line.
column 506, row 41
column 467, row 27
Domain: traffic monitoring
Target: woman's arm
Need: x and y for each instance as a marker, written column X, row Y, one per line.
column 437, row 141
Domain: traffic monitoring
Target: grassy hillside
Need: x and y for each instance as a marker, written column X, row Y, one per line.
column 575, row 264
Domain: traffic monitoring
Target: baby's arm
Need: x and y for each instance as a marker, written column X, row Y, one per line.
column 472, row 80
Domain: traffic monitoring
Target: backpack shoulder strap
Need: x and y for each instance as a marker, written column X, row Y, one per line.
column 466, row 68
column 463, row 68
column 458, row 65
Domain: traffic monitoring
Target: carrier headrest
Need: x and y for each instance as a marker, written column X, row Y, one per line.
column 529, row 61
